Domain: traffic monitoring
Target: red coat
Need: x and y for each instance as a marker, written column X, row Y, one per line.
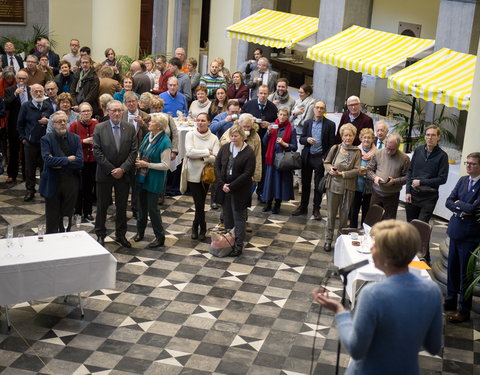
column 85, row 131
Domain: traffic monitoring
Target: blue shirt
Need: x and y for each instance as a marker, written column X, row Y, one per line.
column 174, row 104
column 219, row 126
column 113, row 127
column 317, row 127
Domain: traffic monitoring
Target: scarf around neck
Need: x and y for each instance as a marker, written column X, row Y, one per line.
column 367, row 155
column 273, row 139
column 282, row 98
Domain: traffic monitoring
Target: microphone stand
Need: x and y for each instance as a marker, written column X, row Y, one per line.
column 344, row 291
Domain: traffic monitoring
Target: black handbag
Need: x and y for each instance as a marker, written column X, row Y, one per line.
column 287, row 161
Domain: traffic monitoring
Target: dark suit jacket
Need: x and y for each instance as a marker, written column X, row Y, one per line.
column 13, row 104
column 253, row 84
column 463, row 204
column 269, row 113
column 361, row 122
column 53, row 158
column 328, row 137
column 5, row 61
column 142, row 130
column 53, row 61
column 106, row 153
column 142, row 83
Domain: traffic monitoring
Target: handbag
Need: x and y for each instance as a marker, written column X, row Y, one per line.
column 208, row 175
column 287, row 161
column 183, row 176
column 222, row 242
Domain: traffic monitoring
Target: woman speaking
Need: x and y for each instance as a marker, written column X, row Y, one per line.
column 394, row 318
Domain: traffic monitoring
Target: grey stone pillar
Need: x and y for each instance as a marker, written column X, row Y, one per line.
column 245, row 49
column 458, row 28
column 181, row 25
column 159, row 27
column 330, row 84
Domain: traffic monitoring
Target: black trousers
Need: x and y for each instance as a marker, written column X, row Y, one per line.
column 104, row 198
column 388, row 202
column 199, row 193
column 360, row 200
column 313, row 164
column 14, row 147
column 33, row 160
column 62, row 203
column 421, row 208
column 87, row 189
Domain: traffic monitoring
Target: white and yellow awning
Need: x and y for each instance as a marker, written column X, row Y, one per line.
column 445, row 77
column 368, row 51
column 274, row 29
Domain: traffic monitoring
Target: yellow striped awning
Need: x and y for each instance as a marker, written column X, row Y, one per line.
column 367, row 51
column 274, row 29
column 445, row 77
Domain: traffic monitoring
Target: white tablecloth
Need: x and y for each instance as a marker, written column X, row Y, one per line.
column 346, row 254
column 55, row 267
column 182, row 132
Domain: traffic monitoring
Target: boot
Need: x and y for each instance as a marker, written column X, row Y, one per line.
column 276, row 208
column 268, row 206
column 203, row 231
column 194, row 235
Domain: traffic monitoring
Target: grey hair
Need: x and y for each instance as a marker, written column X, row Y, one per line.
column 58, row 113
column 112, row 102
column 245, row 117
column 353, row 97
column 394, row 137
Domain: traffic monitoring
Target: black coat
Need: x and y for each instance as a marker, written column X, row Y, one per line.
column 5, row 59
column 269, row 113
column 88, row 92
column 241, row 178
column 328, row 137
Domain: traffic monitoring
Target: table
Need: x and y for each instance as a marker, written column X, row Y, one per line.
column 64, row 263
column 346, row 254
column 182, row 131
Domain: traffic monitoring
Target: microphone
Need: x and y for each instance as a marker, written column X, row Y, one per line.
column 352, row 267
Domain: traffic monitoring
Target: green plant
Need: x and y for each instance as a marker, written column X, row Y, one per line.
column 419, row 123
column 125, row 62
column 26, row 45
column 473, row 271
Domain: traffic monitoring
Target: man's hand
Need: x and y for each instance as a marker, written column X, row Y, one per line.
column 139, row 120
column 43, row 121
column 71, row 158
column 226, row 188
column 264, row 124
column 408, row 198
column 88, row 140
column 391, row 182
column 19, row 91
column 416, row 183
column 173, row 155
column 117, row 173
column 311, row 140
column 377, row 180
column 228, row 118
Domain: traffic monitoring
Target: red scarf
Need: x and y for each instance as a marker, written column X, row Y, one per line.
column 273, row 140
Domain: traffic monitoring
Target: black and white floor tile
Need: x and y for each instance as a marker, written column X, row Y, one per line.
column 178, row 310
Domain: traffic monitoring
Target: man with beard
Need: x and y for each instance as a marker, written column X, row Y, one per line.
column 281, row 97
column 63, row 158
column 31, row 126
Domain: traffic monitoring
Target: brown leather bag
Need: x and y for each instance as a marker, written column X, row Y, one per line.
column 208, row 175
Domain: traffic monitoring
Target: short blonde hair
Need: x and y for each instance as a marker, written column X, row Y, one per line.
column 397, row 241
column 160, row 119
column 366, row 131
column 147, row 99
column 157, row 103
column 285, row 109
column 237, row 128
column 104, row 99
column 350, row 127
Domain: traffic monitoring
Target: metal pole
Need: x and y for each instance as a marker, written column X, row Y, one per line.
column 410, row 126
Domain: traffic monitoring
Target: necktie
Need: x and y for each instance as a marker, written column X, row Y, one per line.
column 11, row 60
column 261, row 75
column 380, row 145
column 262, row 107
column 470, row 185
column 116, row 135
column 39, row 106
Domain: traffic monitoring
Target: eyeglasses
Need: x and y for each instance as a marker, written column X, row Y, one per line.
column 353, row 104
column 470, row 164
column 60, row 122
column 31, row 62
column 75, row 45
column 50, row 89
column 115, row 110
column 86, row 111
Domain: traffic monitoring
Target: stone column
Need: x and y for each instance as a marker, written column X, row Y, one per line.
column 330, row 84
column 181, row 26
column 124, row 26
column 245, row 49
column 159, row 27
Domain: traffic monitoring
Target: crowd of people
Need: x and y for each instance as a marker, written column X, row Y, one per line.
column 92, row 128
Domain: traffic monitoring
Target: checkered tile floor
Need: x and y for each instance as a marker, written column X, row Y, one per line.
column 177, row 310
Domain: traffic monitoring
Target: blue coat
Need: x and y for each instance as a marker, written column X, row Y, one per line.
column 219, row 125
column 56, row 163
column 462, row 224
column 28, row 126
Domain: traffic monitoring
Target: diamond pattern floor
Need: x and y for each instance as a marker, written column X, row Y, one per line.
column 179, row 310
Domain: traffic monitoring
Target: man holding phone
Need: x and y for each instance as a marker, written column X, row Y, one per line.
column 388, row 171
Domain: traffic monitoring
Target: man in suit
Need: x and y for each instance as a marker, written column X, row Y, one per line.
column 464, row 232
column 139, row 120
column 15, row 96
column 31, row 126
column 141, row 81
column 51, row 89
column 262, row 76
column 53, row 59
column 356, row 117
column 317, row 137
column 115, row 150
column 60, row 180
column 10, row 58
column 381, row 131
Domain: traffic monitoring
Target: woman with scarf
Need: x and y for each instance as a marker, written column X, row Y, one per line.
column 238, row 89
column 234, row 169
column 64, row 102
column 280, row 136
column 363, row 191
column 152, row 165
column 342, row 166
column 85, row 86
column 201, row 147
column 202, row 104
column 84, row 128
column 111, row 60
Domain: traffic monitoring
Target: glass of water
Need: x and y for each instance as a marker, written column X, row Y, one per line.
column 65, row 224
column 9, row 236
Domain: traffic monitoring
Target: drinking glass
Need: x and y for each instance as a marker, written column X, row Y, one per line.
column 21, row 239
column 41, row 232
column 65, row 225
column 9, row 236
column 78, row 221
